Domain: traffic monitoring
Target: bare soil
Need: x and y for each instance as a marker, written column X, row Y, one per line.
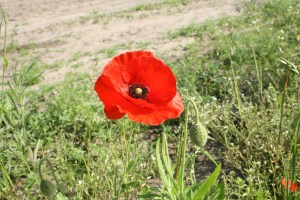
column 76, row 33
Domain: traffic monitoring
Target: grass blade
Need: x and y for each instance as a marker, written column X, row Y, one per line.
column 12, row 101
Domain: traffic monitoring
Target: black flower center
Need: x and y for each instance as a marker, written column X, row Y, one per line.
column 138, row 91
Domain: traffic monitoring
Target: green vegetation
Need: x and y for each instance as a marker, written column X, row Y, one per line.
column 242, row 73
column 112, row 51
column 105, row 18
column 162, row 3
column 249, row 95
column 96, row 16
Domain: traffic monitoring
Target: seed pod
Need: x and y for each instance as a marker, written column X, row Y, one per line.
column 47, row 188
column 198, row 134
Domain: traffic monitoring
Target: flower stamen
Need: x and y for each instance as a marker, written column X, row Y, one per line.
column 138, row 91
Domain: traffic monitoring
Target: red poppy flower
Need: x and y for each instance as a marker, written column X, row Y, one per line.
column 291, row 186
column 141, row 86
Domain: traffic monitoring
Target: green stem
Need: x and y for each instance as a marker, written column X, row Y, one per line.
column 184, row 144
column 258, row 74
column 209, row 156
column 196, row 110
column 281, row 108
column 235, row 82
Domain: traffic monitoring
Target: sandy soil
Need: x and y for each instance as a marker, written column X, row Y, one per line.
column 75, row 31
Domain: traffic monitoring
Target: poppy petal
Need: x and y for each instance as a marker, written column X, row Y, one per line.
column 109, row 96
column 154, row 74
column 172, row 110
column 112, row 98
column 124, row 58
column 113, row 112
column 113, row 71
column 107, row 92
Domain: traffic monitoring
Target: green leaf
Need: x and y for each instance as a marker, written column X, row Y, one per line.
column 130, row 185
column 33, row 79
column 60, row 196
column 12, row 101
column 5, row 61
column 27, row 69
column 12, row 91
column 180, row 177
column 165, row 156
column 205, row 187
column 189, row 189
column 149, row 196
column 130, row 166
column 6, row 118
column 162, row 173
column 219, row 193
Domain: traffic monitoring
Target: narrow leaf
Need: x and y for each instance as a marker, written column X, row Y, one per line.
column 165, row 156
column 130, row 166
column 219, row 194
column 7, row 119
column 5, row 61
column 12, row 90
column 130, row 185
column 205, row 187
column 12, row 101
column 161, row 169
column 26, row 70
column 60, row 196
column 149, row 196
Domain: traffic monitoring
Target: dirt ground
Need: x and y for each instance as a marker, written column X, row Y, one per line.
column 75, row 31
